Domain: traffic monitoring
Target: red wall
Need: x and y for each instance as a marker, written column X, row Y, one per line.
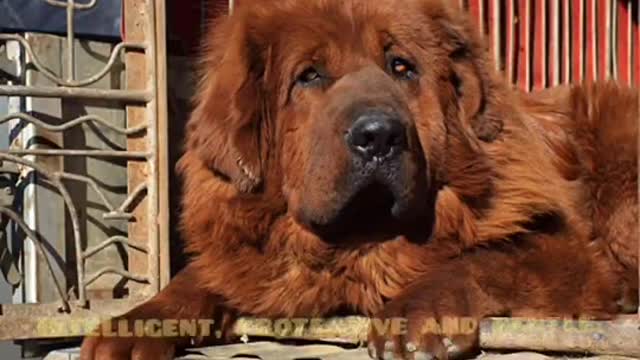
column 546, row 42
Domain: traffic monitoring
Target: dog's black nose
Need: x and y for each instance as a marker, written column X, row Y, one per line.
column 376, row 134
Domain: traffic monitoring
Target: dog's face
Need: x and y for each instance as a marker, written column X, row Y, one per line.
column 346, row 109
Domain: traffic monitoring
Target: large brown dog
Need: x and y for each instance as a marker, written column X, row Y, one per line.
column 361, row 156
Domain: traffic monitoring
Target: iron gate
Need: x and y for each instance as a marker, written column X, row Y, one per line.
column 113, row 182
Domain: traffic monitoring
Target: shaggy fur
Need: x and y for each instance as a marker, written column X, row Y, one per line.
column 501, row 203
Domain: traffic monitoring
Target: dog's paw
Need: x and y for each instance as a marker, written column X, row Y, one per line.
column 109, row 345
column 402, row 331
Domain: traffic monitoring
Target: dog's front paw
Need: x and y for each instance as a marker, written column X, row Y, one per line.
column 104, row 345
column 414, row 331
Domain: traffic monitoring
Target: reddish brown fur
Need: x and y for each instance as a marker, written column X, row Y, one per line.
column 536, row 211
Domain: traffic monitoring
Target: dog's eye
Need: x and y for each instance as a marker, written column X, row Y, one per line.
column 309, row 76
column 402, row 68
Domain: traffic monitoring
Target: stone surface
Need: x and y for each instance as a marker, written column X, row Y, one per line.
column 275, row 351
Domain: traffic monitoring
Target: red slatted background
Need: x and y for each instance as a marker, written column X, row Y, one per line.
column 541, row 43
column 538, row 43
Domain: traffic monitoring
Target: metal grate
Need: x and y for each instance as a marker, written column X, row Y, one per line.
column 143, row 158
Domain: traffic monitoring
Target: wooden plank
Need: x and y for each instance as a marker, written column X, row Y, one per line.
column 162, row 129
column 597, row 337
column 273, row 351
column 30, row 321
column 136, row 28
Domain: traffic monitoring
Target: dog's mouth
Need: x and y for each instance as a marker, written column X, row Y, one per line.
column 366, row 209
column 379, row 209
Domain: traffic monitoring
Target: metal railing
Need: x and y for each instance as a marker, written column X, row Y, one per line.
column 145, row 205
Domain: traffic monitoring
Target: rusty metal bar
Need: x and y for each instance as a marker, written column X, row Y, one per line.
column 71, row 82
column 38, row 241
column 114, row 213
column 119, row 213
column 113, row 240
column 114, row 270
column 77, row 6
column 134, row 96
column 140, row 155
column 71, row 54
column 72, row 123
column 55, row 180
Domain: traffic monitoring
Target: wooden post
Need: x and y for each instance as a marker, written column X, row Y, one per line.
column 136, row 79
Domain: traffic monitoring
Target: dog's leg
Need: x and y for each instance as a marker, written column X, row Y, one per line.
column 182, row 314
column 543, row 276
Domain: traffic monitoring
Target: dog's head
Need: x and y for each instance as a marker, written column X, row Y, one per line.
column 350, row 110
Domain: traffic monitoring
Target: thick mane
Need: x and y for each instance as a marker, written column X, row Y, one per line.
column 511, row 169
column 498, row 184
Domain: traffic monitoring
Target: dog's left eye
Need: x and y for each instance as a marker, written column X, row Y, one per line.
column 402, row 68
column 308, row 77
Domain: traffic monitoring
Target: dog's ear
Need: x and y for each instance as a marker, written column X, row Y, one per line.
column 475, row 82
column 224, row 128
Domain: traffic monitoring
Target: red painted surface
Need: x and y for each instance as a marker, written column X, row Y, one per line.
column 524, row 45
column 577, row 38
column 565, row 64
column 624, row 41
column 636, row 43
column 535, row 42
column 553, row 53
column 475, row 7
column 510, row 58
column 603, row 29
column 540, row 44
column 590, row 38
column 494, row 20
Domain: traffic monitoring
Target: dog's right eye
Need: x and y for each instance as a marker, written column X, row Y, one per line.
column 308, row 77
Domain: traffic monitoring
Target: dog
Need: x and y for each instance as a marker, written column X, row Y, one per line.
column 361, row 157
